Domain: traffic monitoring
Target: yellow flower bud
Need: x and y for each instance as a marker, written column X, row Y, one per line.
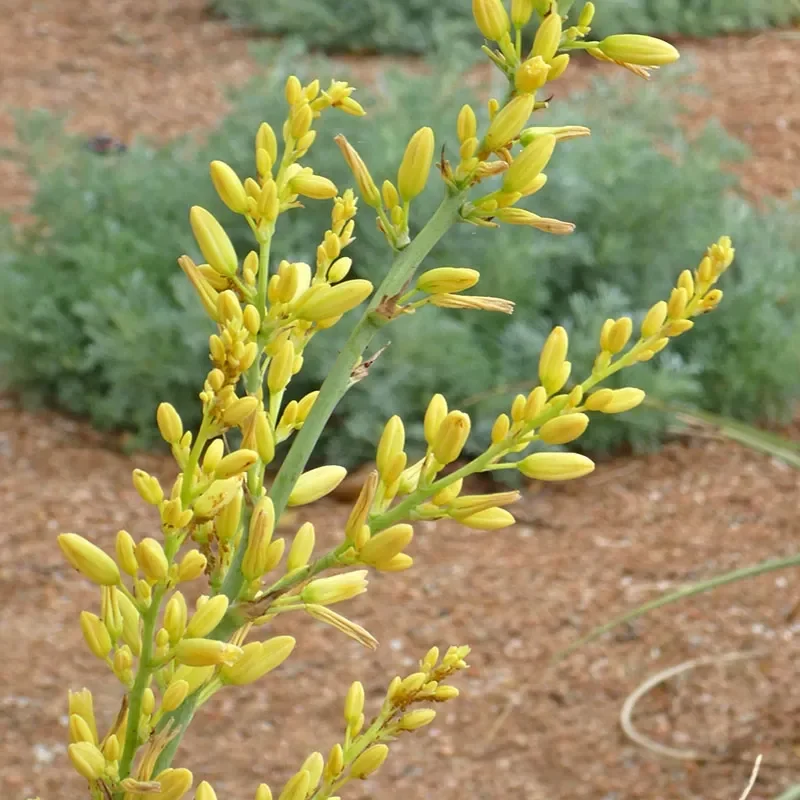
column 529, row 163
column 619, row 334
column 195, row 677
column 552, row 360
column 205, row 792
column 257, row 659
column 500, row 429
column 229, row 187
column 112, row 749
column 314, row 186
column 444, row 693
column 596, row 401
column 354, row 703
column 263, row 792
column 236, row 463
column 175, row 615
column 216, row 497
column 387, row 544
column 531, row 75
column 391, row 443
column 335, row 763
column 95, row 634
column 413, row 720
column 563, row 429
column 490, row 519
column 207, row 617
column 491, row 18
column 548, row 36
column 447, row 279
column 654, row 320
column 213, row 242
column 434, row 416
column 508, row 122
column 152, row 560
column 125, row 551
column 169, row 423
column 302, row 547
column 79, row 730
column 175, row 694
column 370, row 760
column 623, row 400
column 174, row 784
column 227, row 521
column 555, row 466
column 206, row 652
column 296, row 787
column 266, row 140
column 148, row 487
column 451, row 437
column 87, row 760
column 397, row 563
column 316, row 483
column 466, row 124
column 416, row 164
column 369, row 191
column 644, row 51
column 446, row 496
column 89, row 559
column 336, row 589
column 521, row 12
column 192, row 566
column 81, row 703
column 332, row 301
column 472, row 504
column 314, row 765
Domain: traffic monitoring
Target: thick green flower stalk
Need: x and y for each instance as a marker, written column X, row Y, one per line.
column 217, row 521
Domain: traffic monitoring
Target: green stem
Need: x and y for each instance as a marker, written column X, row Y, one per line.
column 338, row 380
column 143, row 673
column 192, row 462
column 263, row 273
column 681, row 594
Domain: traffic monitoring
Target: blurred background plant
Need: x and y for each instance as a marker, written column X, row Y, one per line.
column 94, row 304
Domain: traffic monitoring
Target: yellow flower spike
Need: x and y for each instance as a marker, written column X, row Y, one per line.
column 598, row 400
column 79, row 730
column 414, row 720
column 175, row 616
column 446, row 496
column 207, row 617
column 263, row 792
column 302, row 547
column 236, row 463
column 632, row 48
column 619, row 335
column 314, row 186
column 148, row 487
column 192, row 566
column 623, row 400
column 257, row 659
column 333, row 301
column 521, row 12
column 558, row 66
column 314, row 765
column 175, row 694
column 366, row 186
column 226, row 524
column 92, row 562
column 442, row 280
column 391, row 443
column 169, row 423
column 213, row 242
column 490, row 519
column 125, row 552
column 563, row 429
column 369, row 761
column 229, row 187
column 552, row 359
column 174, row 784
column 555, row 466
column 451, row 437
column 205, row 792
column 508, row 122
column 354, row 703
column 416, row 164
column 529, row 163
column 654, row 320
column 678, row 300
column 336, row 589
column 266, row 140
column 521, row 216
column 87, row 759
column 491, row 18
column 206, row 653
column 548, row 36
column 466, row 124
column 387, row 544
column 216, row 497
column 152, row 560
column 95, row 634
column 500, row 429
column 315, row 484
column 531, row 75
column 296, row 787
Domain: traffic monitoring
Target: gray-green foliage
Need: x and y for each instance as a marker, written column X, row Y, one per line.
column 96, row 317
column 416, row 26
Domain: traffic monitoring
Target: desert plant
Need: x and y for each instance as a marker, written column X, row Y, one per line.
column 218, row 518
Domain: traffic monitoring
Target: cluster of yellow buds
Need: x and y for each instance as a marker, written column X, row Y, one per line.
column 219, row 519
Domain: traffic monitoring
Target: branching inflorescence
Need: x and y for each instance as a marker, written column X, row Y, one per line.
column 218, row 519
